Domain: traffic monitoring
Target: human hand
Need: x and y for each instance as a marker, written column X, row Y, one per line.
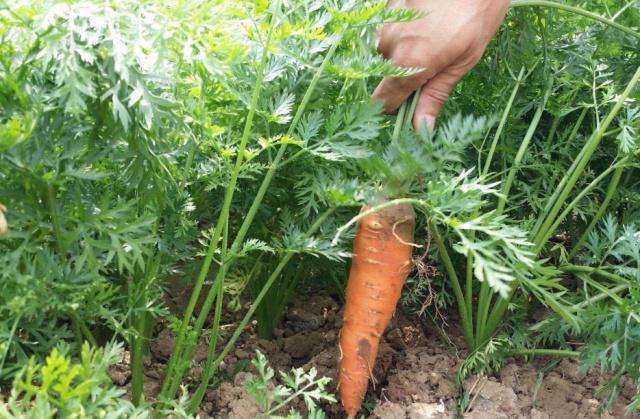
column 446, row 43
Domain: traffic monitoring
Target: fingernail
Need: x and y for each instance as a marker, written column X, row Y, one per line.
column 426, row 120
column 430, row 120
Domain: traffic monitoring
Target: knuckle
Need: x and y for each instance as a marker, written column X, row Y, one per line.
column 408, row 54
column 475, row 55
column 437, row 94
column 404, row 60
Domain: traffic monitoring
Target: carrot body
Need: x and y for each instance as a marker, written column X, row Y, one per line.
column 380, row 264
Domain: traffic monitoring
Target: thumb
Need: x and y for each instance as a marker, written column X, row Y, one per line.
column 433, row 95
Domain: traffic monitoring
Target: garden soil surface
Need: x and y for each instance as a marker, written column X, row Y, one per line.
column 415, row 376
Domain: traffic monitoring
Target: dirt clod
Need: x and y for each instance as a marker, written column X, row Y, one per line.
column 120, row 372
column 426, row 411
column 303, row 345
column 389, row 410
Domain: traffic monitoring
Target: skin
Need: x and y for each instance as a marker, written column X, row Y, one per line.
column 447, row 43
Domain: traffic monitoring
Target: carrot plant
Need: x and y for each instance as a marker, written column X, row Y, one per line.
column 86, row 173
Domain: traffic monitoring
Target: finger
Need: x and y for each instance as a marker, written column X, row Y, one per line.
column 433, row 95
column 384, row 40
column 393, row 91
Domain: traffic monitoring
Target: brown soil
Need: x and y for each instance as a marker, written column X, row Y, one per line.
column 415, row 376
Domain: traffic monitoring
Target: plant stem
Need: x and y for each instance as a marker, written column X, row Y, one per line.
column 212, row 364
column 484, row 302
column 506, row 186
column 595, row 284
column 601, row 296
column 9, row 340
column 222, row 218
column 488, row 326
column 559, row 219
column 455, row 283
column 566, row 184
column 596, row 271
column 55, row 220
column 562, row 353
column 216, row 292
column 575, row 10
column 484, row 299
column 611, row 190
column 288, row 400
column 137, row 348
column 139, row 323
column 468, row 288
column 503, row 122
column 266, row 182
column 571, row 178
column 553, row 130
column 86, row 332
column 399, row 122
column 248, row 220
column 574, row 131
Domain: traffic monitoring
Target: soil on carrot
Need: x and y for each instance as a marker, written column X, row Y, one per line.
column 415, row 376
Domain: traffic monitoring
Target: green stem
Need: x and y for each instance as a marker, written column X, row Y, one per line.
column 248, row 219
column 9, row 341
column 137, row 349
column 212, row 364
column 484, row 299
column 565, row 187
column 601, row 296
column 559, row 219
column 55, row 220
column 595, row 271
column 455, row 283
column 288, row 400
column 552, row 133
column 506, row 186
column 595, row 284
column 139, row 325
column 575, row 10
column 495, row 317
column 222, row 218
column 468, row 288
column 502, row 304
column 215, row 333
column 571, row 178
column 587, row 302
column 484, row 303
column 266, row 182
column 86, row 332
column 562, row 353
column 564, row 179
column 574, row 131
column 611, row 190
column 399, row 122
column 503, row 122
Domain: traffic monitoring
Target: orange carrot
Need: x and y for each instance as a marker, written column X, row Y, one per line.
column 380, row 264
